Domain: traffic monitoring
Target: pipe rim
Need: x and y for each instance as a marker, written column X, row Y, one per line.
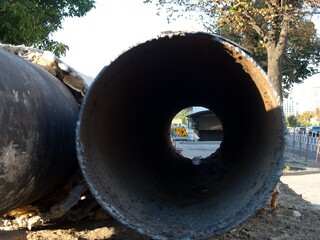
column 136, row 226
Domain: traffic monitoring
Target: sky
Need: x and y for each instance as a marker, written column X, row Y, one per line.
column 114, row 26
column 110, row 29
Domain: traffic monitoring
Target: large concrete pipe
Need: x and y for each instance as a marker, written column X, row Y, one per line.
column 124, row 146
column 38, row 117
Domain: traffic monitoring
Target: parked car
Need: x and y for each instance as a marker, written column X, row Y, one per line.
column 302, row 130
column 314, row 131
column 290, row 130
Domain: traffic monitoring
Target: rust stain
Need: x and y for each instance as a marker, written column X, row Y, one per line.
column 257, row 76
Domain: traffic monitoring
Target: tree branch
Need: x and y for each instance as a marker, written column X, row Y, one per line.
column 283, row 36
column 254, row 24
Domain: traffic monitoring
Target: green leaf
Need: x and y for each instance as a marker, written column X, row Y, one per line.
column 31, row 22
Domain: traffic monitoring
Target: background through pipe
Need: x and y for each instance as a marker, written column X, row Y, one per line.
column 124, row 146
column 38, row 117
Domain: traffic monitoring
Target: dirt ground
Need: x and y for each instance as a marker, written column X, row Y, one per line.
column 294, row 219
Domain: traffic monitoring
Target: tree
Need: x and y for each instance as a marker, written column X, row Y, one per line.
column 317, row 114
column 292, row 121
column 278, row 32
column 305, row 118
column 183, row 115
column 31, row 22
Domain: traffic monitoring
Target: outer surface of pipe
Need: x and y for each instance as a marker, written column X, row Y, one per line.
column 38, row 116
column 124, row 145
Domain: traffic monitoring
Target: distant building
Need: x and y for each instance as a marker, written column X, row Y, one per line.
column 207, row 125
column 307, row 99
column 289, row 106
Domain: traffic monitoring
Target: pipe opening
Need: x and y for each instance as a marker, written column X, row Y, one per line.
column 196, row 134
column 131, row 166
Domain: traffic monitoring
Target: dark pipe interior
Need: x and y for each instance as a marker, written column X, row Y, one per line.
column 124, row 144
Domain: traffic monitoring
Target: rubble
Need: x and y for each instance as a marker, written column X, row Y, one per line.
column 47, row 60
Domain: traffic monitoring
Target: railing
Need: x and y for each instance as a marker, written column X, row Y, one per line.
column 304, row 144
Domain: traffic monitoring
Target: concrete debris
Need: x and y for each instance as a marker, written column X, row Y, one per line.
column 52, row 64
column 59, row 209
column 296, row 213
column 76, row 83
column 30, row 216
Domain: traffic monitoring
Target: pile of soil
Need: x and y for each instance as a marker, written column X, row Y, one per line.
column 293, row 219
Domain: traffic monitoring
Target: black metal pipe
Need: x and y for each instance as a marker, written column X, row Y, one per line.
column 38, row 117
column 124, row 146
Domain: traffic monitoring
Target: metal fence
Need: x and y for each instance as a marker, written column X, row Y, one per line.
column 303, row 145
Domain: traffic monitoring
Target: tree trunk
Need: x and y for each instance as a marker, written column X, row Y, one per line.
column 275, row 69
column 276, row 41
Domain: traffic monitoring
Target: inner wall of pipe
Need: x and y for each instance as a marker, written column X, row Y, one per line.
column 129, row 160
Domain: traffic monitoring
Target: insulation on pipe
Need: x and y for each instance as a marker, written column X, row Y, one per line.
column 124, row 146
column 38, row 116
